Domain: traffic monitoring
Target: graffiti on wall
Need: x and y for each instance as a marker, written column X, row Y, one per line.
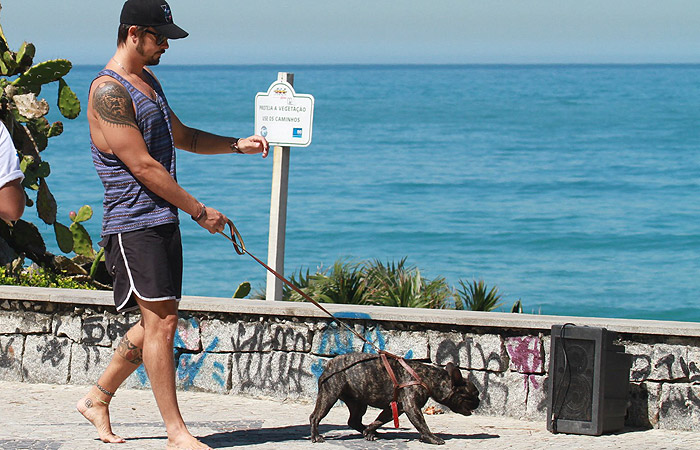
column 53, row 351
column 525, row 354
column 338, row 340
column 11, row 354
column 190, row 366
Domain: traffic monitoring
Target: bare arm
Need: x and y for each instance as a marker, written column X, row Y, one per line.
column 12, row 200
column 114, row 113
column 198, row 141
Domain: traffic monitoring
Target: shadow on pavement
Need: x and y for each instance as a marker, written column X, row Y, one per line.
column 238, row 438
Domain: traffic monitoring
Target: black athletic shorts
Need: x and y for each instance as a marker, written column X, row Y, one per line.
column 146, row 263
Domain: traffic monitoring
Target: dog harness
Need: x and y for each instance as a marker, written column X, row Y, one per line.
column 418, row 381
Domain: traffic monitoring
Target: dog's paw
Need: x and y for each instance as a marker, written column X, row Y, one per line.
column 432, row 439
column 317, row 438
column 370, row 435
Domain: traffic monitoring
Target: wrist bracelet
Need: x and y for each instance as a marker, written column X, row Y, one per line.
column 234, row 146
column 201, row 215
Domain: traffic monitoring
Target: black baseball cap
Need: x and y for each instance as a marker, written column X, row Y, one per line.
column 152, row 13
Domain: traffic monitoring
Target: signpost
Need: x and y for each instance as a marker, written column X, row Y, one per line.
column 285, row 119
column 282, row 116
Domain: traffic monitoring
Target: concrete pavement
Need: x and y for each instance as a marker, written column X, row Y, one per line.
column 43, row 416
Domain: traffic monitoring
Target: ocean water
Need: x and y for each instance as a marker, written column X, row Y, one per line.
column 573, row 188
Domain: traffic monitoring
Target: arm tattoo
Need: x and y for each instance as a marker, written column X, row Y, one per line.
column 129, row 351
column 193, row 145
column 113, row 105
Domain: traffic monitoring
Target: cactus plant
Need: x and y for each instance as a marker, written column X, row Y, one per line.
column 56, row 129
column 82, row 243
column 64, row 237
column 243, row 290
column 46, row 204
column 100, row 258
column 84, row 213
column 39, row 130
column 25, row 55
column 23, row 113
column 68, row 102
column 43, row 73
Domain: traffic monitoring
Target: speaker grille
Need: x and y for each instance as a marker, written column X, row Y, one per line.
column 573, row 388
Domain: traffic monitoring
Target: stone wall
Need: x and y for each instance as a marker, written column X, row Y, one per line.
column 278, row 349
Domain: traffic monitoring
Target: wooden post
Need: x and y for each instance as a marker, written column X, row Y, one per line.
column 278, row 211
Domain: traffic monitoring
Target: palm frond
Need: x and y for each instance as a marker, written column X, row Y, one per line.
column 476, row 296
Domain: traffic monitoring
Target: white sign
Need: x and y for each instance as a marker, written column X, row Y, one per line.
column 284, row 117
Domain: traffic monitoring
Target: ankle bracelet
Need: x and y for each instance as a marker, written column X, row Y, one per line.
column 104, row 391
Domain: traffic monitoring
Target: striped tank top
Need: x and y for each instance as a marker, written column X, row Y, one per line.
column 128, row 204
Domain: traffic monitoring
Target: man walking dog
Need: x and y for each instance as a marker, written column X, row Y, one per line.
column 133, row 135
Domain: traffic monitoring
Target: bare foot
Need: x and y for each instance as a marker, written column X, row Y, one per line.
column 98, row 415
column 186, row 442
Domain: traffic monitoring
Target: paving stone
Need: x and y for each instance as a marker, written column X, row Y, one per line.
column 291, row 337
column 404, row 343
column 679, row 406
column 641, row 360
column 138, row 379
column 547, row 347
column 11, row 348
column 525, row 354
column 644, row 404
column 208, row 372
column 469, row 351
column 537, row 395
column 88, row 362
column 501, row 393
column 24, row 322
column 119, row 324
column 46, row 359
column 220, row 336
column 333, row 339
column 694, row 365
column 68, row 325
column 237, row 421
column 280, row 375
column 668, row 362
column 95, row 331
column 188, row 334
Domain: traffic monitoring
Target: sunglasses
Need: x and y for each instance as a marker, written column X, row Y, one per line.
column 160, row 38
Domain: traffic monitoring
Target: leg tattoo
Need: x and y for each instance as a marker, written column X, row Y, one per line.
column 129, row 351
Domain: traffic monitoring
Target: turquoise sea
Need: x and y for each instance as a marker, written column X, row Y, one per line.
column 574, row 188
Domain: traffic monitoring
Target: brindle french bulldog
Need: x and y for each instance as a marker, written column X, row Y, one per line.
column 360, row 380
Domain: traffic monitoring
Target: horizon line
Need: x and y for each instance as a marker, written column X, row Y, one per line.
column 416, row 64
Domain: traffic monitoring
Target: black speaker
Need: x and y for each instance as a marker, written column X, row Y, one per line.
column 588, row 381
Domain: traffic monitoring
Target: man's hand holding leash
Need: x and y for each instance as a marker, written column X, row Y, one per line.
column 210, row 219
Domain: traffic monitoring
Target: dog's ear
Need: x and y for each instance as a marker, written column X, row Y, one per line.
column 455, row 374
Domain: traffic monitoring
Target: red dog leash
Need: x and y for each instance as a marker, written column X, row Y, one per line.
column 239, row 246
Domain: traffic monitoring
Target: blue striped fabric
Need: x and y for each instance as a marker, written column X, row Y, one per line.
column 128, row 204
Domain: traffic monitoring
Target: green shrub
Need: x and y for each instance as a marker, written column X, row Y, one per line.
column 344, row 283
column 398, row 285
column 389, row 284
column 475, row 296
column 38, row 277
